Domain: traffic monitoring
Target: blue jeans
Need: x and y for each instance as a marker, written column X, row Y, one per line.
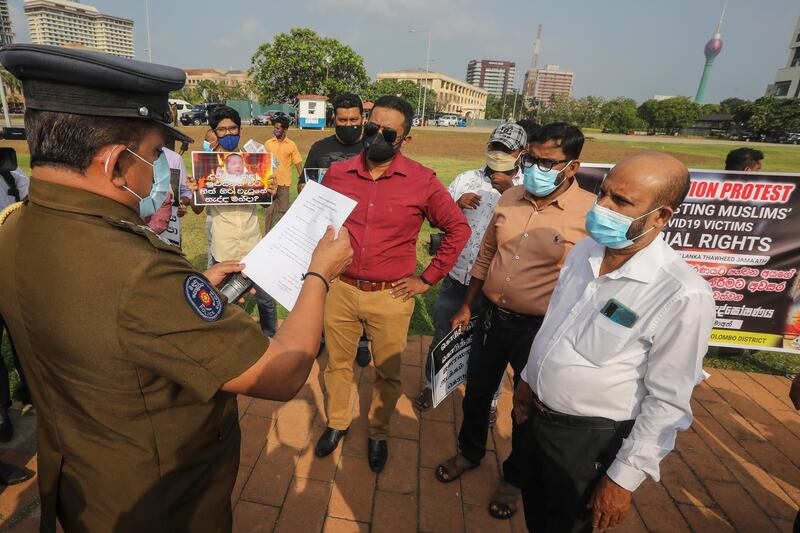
column 267, row 315
column 450, row 299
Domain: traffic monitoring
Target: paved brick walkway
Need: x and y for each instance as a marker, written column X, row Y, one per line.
column 737, row 468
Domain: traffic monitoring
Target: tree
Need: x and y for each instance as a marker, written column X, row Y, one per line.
column 12, row 86
column 302, row 62
column 730, row 106
column 619, row 116
column 669, row 116
column 494, row 106
column 710, row 109
column 559, row 109
column 587, row 111
column 771, row 116
column 408, row 90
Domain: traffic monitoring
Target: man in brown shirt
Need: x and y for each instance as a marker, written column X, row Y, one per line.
column 533, row 228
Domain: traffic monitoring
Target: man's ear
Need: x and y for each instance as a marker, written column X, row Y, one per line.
column 573, row 168
column 109, row 161
column 664, row 215
column 406, row 140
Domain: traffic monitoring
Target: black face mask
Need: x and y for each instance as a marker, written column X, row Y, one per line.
column 348, row 134
column 377, row 149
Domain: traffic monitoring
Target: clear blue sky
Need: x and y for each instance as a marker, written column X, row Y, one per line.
column 634, row 48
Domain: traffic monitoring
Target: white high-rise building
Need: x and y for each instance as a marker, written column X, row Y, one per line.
column 787, row 79
column 6, row 29
column 497, row 77
column 64, row 23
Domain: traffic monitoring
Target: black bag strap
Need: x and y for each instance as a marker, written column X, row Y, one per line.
column 12, row 184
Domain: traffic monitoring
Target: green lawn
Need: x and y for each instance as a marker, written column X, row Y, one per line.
column 452, row 152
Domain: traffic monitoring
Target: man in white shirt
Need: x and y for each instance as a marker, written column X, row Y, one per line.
column 476, row 192
column 611, row 371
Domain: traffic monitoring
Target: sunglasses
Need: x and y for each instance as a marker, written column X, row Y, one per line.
column 389, row 134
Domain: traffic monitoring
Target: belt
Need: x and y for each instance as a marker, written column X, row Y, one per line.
column 585, row 422
column 505, row 314
column 364, row 285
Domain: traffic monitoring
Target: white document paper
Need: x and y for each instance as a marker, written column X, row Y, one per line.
column 254, row 147
column 278, row 261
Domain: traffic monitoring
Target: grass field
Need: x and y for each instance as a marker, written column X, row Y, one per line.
column 449, row 152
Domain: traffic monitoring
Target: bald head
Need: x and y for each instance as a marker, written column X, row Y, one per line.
column 661, row 176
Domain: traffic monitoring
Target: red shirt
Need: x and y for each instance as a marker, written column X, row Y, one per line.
column 385, row 224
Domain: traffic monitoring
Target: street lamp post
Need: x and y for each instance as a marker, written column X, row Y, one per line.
column 147, row 17
column 427, row 69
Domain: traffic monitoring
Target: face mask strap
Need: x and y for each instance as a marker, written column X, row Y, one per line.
column 140, row 157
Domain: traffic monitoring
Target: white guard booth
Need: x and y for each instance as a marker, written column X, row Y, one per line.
column 311, row 112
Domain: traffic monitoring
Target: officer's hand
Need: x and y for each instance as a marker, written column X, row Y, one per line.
column 469, row 200
column 610, row 504
column 794, row 392
column 408, row 287
column 523, row 398
column 333, row 254
column 461, row 318
column 217, row 273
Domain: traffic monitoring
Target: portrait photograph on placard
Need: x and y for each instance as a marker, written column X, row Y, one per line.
column 314, row 174
column 232, row 178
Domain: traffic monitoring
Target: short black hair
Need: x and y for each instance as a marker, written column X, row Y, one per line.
column 530, row 127
column 741, row 158
column 348, row 101
column 398, row 104
column 71, row 141
column 283, row 121
column 221, row 113
column 567, row 137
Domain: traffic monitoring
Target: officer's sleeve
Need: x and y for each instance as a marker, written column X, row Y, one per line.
column 172, row 322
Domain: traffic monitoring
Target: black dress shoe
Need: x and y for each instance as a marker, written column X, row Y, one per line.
column 329, row 441
column 378, row 452
column 6, row 429
column 363, row 357
column 11, row 475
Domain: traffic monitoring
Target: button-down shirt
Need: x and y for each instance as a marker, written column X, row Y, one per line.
column 524, row 247
column 385, row 224
column 582, row 363
column 477, row 182
column 286, row 153
column 234, row 231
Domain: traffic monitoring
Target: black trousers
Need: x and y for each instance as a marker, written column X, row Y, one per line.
column 5, row 387
column 506, row 338
column 565, row 458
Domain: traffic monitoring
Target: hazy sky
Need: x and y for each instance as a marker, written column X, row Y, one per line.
column 634, row 48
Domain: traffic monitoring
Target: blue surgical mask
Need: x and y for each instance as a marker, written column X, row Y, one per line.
column 540, row 183
column 158, row 193
column 610, row 228
column 277, row 133
column 207, row 146
column 229, row 142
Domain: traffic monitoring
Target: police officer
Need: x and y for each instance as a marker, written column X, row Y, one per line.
column 133, row 357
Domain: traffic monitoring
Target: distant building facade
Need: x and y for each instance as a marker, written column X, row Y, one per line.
column 497, row 77
column 6, row 28
column 718, row 125
column 64, row 23
column 551, row 82
column 787, row 79
column 231, row 78
column 453, row 96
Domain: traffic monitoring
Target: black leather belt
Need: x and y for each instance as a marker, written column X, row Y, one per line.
column 585, row 422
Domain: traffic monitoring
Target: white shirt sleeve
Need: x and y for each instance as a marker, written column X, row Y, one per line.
column 674, row 365
column 22, row 182
column 455, row 187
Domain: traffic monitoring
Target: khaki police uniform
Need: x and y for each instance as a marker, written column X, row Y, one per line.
column 126, row 347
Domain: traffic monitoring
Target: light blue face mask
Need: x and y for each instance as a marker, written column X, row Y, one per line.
column 158, row 193
column 610, row 228
column 540, row 183
column 207, row 146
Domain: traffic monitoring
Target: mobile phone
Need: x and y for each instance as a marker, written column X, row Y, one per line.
column 235, row 286
column 619, row 313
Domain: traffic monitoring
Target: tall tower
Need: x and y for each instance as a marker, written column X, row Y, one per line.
column 529, row 86
column 712, row 50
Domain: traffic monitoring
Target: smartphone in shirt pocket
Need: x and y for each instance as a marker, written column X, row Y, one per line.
column 607, row 332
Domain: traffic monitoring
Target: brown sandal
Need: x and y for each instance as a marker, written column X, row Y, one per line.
column 504, row 502
column 424, row 401
column 450, row 470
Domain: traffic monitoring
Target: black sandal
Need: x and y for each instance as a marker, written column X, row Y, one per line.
column 450, row 471
column 504, row 502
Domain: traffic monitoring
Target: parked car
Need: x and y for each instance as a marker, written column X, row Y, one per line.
column 199, row 114
column 291, row 116
column 182, row 106
column 461, row 123
column 264, row 119
column 746, row 136
column 446, row 120
column 790, row 138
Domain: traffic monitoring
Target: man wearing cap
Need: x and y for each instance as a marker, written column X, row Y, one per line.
column 533, row 227
column 476, row 192
column 133, row 357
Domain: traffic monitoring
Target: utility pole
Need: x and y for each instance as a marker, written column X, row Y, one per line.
column 5, row 104
column 514, row 111
column 147, row 16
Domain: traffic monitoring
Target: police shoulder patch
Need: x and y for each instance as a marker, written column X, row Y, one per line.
column 202, row 298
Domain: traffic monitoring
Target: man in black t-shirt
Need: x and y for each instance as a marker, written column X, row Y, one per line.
column 348, row 117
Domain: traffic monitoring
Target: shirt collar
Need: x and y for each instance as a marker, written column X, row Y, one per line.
column 560, row 201
column 72, row 200
column 358, row 165
column 643, row 266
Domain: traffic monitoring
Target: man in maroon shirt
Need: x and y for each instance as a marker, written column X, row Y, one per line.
column 394, row 195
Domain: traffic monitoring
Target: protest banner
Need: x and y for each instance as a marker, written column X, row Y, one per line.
column 739, row 231
column 449, row 360
column 234, row 178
